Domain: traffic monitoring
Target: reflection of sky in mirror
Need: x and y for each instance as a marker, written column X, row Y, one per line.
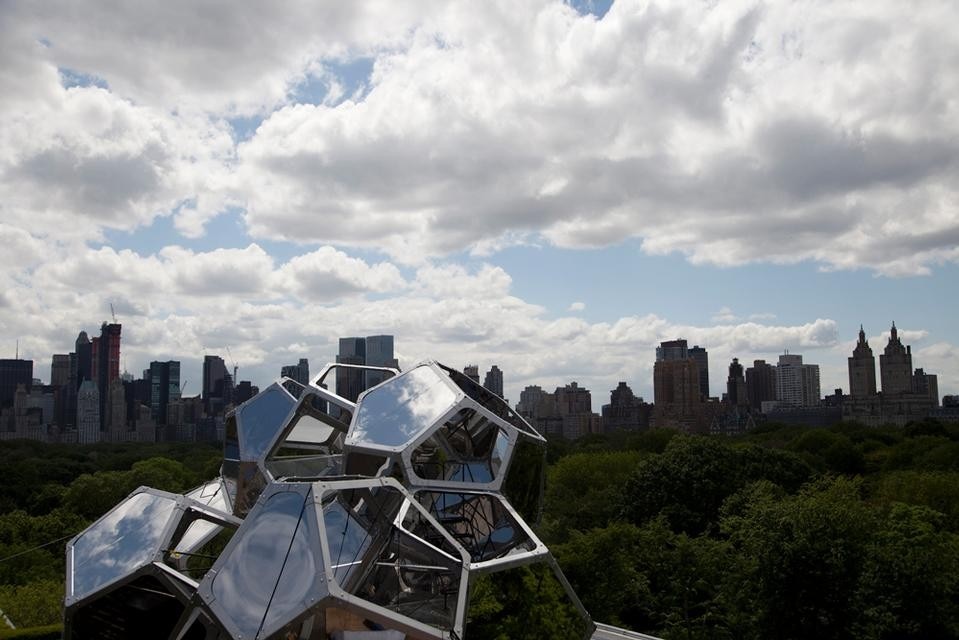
column 212, row 494
column 395, row 412
column 124, row 540
column 301, row 570
column 246, row 581
column 260, row 420
column 346, row 538
column 309, row 429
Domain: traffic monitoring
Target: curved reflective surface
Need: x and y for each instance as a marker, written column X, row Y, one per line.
column 401, row 408
column 244, row 584
column 124, row 540
column 259, row 420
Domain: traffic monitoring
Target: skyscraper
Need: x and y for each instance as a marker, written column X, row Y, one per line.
column 760, row 383
column 84, row 351
column 299, row 372
column 372, row 351
column 217, row 385
column 88, row 413
column 494, row 380
column 472, row 372
column 797, row 384
column 895, row 365
column 12, row 373
column 736, row 384
column 672, row 350
column 862, row 369
column 164, row 389
column 106, row 365
column 701, row 357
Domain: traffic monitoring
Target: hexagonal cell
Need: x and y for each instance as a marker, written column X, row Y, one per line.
column 481, row 522
column 372, row 558
column 531, row 601
column 123, row 577
column 490, row 401
column 260, row 418
column 311, row 443
column 468, row 448
column 390, row 416
column 275, row 551
column 125, row 539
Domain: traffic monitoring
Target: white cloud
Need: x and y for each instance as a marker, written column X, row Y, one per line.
column 577, row 307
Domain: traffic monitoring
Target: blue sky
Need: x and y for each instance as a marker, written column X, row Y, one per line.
column 550, row 187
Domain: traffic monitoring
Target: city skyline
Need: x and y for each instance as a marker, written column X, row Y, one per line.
column 555, row 188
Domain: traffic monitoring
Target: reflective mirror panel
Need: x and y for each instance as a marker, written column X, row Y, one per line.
column 468, row 448
column 414, row 580
column 302, row 466
column 355, row 521
column 479, row 522
column 523, row 485
column 250, row 484
column 260, row 419
column 212, row 494
column 245, row 582
column 401, row 408
column 295, row 388
column 490, row 401
column 124, row 540
column 301, row 577
column 194, row 561
column 310, row 429
column 525, row 602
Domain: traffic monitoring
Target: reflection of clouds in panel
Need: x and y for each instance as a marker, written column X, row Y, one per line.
column 347, row 540
column 121, row 542
column 260, row 419
column 245, row 583
column 398, row 410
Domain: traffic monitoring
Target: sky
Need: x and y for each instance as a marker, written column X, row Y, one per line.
column 548, row 186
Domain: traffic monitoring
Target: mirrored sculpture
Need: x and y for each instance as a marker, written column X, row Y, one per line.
column 402, row 515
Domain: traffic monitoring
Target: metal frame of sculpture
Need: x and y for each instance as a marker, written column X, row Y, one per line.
column 374, row 517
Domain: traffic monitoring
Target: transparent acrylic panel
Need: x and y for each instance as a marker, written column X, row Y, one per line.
column 260, row 419
column 245, row 582
column 354, row 522
column 523, row 485
column 212, row 494
column 197, row 560
column 125, row 539
column 401, row 408
column 301, row 578
column 479, row 522
column 414, row 580
column 490, row 401
column 314, row 466
column 310, row 429
column 525, row 602
column 295, row 388
column 468, row 448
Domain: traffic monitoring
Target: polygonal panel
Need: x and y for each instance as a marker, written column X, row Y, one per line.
column 214, row 495
column 310, row 444
column 260, row 418
column 400, row 409
column 480, row 522
column 277, row 545
column 145, row 608
column 523, row 485
column 119, row 543
column 490, row 401
column 467, row 448
column 372, row 558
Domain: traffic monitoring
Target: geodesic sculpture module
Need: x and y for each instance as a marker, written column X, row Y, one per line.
column 404, row 515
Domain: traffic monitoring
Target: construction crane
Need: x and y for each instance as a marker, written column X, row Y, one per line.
column 182, row 387
column 113, row 313
column 234, row 365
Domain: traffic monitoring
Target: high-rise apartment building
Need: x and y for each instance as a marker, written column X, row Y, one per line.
column 895, row 365
column 760, row 383
column 217, row 390
column 797, row 384
column 299, row 372
column 372, row 351
column 926, row 384
column 494, row 380
column 862, row 369
column 14, row 372
column 164, row 389
column 84, row 351
column 106, row 367
column 701, row 357
column 672, row 350
column 736, row 385
column 88, row 413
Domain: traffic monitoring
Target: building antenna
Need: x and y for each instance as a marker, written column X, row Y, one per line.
column 235, row 381
column 113, row 313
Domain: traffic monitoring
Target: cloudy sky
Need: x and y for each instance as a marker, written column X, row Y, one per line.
column 553, row 187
